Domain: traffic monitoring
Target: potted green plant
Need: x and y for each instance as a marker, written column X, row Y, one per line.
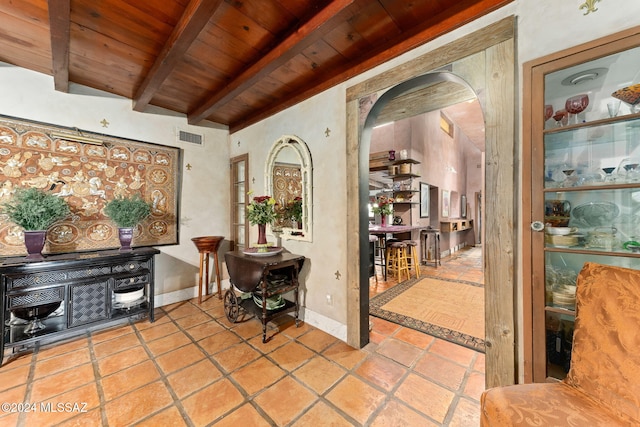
column 35, row 211
column 126, row 213
column 294, row 210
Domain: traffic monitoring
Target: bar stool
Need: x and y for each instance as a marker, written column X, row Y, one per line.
column 373, row 242
column 412, row 255
column 397, row 259
column 208, row 245
column 431, row 252
column 380, row 250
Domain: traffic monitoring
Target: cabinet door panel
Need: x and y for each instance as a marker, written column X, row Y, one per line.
column 88, row 303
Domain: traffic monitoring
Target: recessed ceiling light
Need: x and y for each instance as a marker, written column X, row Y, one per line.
column 584, row 76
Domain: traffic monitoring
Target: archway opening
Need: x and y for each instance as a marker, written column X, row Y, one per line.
column 436, row 123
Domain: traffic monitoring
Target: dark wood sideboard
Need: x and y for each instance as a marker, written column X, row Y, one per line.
column 86, row 291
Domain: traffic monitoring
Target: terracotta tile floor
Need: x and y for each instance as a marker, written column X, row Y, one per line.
column 193, row 368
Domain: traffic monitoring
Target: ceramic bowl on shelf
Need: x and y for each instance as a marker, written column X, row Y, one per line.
column 560, row 231
column 594, row 214
column 629, row 95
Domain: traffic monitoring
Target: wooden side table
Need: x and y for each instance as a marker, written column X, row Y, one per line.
column 251, row 274
column 208, row 245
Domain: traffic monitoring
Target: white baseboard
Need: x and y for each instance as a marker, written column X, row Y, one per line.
column 325, row 324
column 317, row 320
column 182, row 295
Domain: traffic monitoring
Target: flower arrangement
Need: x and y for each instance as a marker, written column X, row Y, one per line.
column 261, row 210
column 384, row 206
column 294, row 209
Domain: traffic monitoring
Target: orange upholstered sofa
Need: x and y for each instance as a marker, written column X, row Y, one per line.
column 602, row 387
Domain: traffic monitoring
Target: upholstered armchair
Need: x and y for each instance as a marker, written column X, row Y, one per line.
column 602, row 387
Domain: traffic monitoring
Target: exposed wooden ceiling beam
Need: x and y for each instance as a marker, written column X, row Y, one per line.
column 195, row 17
column 60, row 23
column 466, row 11
column 301, row 38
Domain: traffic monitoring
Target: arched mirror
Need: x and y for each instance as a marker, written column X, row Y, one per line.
column 287, row 175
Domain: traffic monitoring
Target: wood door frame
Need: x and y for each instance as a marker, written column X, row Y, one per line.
column 532, row 185
column 497, row 41
column 233, row 199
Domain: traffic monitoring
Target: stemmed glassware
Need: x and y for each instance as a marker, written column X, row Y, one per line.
column 568, row 181
column 629, row 169
column 548, row 112
column 560, row 117
column 613, row 107
column 576, row 105
column 608, row 171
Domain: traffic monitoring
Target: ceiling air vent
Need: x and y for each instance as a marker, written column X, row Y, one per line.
column 191, row 138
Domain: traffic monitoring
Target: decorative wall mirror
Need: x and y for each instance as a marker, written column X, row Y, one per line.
column 287, row 173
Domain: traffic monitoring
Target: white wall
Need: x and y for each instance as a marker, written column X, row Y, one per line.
column 205, row 188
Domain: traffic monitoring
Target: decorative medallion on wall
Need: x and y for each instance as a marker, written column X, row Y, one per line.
column 87, row 175
column 590, row 6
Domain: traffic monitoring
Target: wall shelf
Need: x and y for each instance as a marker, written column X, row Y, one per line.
column 454, row 225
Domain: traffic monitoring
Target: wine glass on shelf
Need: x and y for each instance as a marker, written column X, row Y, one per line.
column 628, row 169
column 613, row 107
column 548, row 112
column 608, row 171
column 560, row 117
column 568, row 181
column 576, row 105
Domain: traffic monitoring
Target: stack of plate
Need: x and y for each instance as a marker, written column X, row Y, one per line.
column 276, row 279
column 127, row 295
column 273, row 303
column 561, row 241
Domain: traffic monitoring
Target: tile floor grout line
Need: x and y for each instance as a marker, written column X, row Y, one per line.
column 163, row 377
column 459, row 393
column 29, row 383
column 247, row 398
column 98, row 378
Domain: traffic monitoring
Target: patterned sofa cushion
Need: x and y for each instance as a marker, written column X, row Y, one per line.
column 603, row 384
column 543, row 405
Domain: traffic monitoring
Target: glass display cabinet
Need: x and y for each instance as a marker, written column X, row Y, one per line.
column 584, row 181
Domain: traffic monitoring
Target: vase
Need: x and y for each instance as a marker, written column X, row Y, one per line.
column 34, row 242
column 383, row 220
column 125, row 234
column 262, row 234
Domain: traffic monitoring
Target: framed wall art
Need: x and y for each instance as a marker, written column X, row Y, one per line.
column 88, row 169
column 446, row 200
column 463, row 206
column 424, row 200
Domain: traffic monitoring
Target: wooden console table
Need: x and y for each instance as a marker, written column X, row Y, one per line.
column 262, row 277
column 84, row 290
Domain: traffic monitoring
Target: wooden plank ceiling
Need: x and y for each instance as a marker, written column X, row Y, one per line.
column 232, row 62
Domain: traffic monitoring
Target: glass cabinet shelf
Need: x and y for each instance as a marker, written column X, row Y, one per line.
column 622, row 124
column 606, row 152
column 599, row 220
